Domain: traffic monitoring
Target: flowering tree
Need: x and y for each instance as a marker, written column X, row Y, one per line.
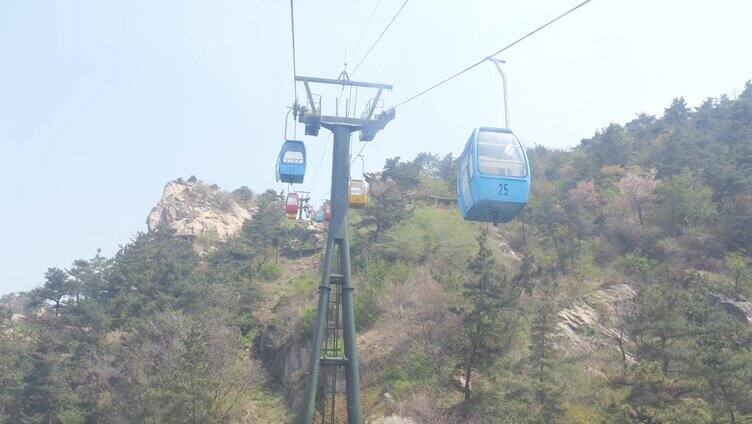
column 585, row 194
column 636, row 189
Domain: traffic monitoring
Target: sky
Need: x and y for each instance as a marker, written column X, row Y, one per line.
column 102, row 103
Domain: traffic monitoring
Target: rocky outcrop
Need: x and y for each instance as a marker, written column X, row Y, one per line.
column 393, row 419
column 16, row 303
column 286, row 363
column 597, row 320
column 741, row 310
column 192, row 209
column 593, row 322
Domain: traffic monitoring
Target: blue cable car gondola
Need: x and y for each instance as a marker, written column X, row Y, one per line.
column 291, row 163
column 493, row 172
column 493, row 176
column 319, row 216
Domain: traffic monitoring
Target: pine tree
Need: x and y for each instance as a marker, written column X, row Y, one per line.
column 488, row 294
column 544, row 356
column 725, row 369
column 56, row 289
column 389, row 204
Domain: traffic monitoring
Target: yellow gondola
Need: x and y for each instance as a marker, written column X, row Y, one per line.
column 358, row 196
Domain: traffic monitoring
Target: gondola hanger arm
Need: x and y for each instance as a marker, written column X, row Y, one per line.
column 497, row 63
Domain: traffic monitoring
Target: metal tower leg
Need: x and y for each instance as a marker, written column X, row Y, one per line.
column 352, row 375
column 337, row 236
column 318, row 332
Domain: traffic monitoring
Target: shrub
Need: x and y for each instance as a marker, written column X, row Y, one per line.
column 270, row 272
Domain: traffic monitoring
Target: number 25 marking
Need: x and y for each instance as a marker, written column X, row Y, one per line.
column 503, row 189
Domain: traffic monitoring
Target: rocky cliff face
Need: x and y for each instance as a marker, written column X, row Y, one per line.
column 192, row 208
column 593, row 322
column 598, row 320
column 286, row 362
column 739, row 309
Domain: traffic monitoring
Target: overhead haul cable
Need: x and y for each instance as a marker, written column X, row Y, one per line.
column 318, row 168
column 362, row 33
column 294, row 67
column 379, row 37
column 529, row 34
column 359, row 152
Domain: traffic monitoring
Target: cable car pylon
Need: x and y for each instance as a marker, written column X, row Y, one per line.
column 335, row 315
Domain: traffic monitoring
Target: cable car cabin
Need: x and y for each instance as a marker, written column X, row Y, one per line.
column 319, row 216
column 291, row 204
column 292, row 216
column 327, row 212
column 291, row 163
column 493, row 176
column 357, row 196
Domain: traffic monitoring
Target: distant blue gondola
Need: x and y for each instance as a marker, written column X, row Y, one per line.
column 291, row 163
column 493, row 176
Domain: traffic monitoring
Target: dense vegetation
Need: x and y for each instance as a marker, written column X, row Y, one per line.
column 647, row 224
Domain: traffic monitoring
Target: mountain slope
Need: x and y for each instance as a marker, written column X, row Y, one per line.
column 620, row 295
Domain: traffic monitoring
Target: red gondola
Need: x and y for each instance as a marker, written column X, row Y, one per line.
column 291, row 204
column 327, row 212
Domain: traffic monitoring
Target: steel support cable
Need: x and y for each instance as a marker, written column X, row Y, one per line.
column 369, row 51
column 362, row 33
column 519, row 40
column 483, row 60
column 379, row 37
column 321, row 160
column 359, row 152
column 294, row 65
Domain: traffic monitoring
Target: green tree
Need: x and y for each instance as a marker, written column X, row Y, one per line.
column 90, row 289
column 426, row 162
column 389, row 204
column 677, row 113
column 296, row 239
column 724, row 365
column 56, row 289
column 738, row 265
column 737, row 219
column 405, row 174
column 684, row 202
column 55, row 370
column 156, row 272
column 553, row 227
column 488, row 294
column 446, row 170
column 178, row 369
column 582, row 207
column 610, row 147
column 265, row 234
column 692, row 357
column 13, row 364
column 545, row 358
column 88, row 276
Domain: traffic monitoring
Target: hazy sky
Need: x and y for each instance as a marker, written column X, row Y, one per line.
column 103, row 102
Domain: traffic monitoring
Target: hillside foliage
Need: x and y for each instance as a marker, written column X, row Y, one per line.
column 458, row 322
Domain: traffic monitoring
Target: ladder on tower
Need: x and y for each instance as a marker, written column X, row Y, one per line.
column 332, row 351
